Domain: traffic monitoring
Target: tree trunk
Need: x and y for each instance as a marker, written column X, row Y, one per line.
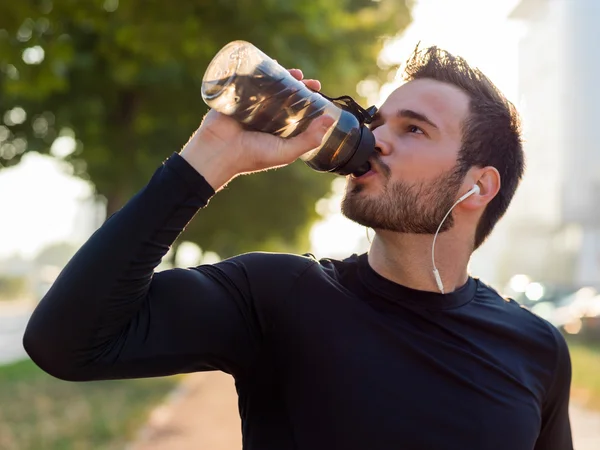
column 115, row 200
column 124, row 121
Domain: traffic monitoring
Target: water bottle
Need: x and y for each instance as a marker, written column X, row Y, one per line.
column 244, row 83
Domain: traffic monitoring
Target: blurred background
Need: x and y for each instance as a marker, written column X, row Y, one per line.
column 95, row 95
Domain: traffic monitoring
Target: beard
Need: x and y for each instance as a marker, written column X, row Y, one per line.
column 405, row 208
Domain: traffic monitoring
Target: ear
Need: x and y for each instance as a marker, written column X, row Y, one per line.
column 488, row 180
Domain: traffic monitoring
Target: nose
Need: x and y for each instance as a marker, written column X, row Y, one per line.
column 381, row 145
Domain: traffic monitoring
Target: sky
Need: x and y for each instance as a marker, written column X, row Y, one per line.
column 40, row 204
column 39, row 207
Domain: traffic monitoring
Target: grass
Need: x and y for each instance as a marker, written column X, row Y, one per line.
column 585, row 358
column 39, row 412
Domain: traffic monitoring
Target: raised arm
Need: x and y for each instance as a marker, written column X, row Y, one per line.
column 109, row 315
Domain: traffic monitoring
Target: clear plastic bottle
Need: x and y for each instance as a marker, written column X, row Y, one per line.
column 244, row 83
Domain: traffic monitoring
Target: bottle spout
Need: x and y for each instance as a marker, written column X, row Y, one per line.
column 362, row 169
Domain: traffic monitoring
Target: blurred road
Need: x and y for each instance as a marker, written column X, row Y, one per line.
column 586, row 428
column 13, row 320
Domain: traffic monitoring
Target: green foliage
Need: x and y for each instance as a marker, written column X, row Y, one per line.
column 38, row 411
column 13, row 287
column 124, row 78
column 585, row 359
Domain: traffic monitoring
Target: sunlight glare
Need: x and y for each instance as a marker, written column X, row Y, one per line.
column 41, row 206
column 188, row 255
column 33, row 55
column 63, row 146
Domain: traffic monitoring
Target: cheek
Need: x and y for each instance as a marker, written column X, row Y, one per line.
column 412, row 159
column 416, row 158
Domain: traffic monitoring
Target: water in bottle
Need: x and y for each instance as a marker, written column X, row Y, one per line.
column 244, row 83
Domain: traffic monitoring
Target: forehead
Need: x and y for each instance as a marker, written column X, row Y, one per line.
column 444, row 104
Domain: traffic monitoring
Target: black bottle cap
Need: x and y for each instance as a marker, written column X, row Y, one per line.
column 358, row 163
column 362, row 169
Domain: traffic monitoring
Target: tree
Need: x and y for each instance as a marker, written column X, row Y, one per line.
column 57, row 254
column 124, row 79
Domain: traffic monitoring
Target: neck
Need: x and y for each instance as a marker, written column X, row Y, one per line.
column 406, row 259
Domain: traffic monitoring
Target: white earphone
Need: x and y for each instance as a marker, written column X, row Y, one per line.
column 474, row 190
column 436, row 273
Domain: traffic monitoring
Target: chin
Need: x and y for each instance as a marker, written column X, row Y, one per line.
column 360, row 206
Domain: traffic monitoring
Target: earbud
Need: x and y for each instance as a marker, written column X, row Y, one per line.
column 474, row 190
column 436, row 273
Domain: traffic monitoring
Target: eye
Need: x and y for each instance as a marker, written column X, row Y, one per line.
column 414, row 129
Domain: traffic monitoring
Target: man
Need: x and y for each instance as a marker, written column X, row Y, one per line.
column 364, row 353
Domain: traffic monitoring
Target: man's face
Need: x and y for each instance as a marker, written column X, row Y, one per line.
column 415, row 179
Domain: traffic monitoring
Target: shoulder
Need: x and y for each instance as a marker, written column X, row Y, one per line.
column 541, row 341
column 336, row 268
column 281, row 268
column 267, row 279
column 514, row 312
column 263, row 265
column 267, row 261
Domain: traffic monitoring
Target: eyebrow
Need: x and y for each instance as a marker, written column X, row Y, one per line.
column 410, row 114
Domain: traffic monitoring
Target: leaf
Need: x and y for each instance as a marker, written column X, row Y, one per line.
column 127, row 82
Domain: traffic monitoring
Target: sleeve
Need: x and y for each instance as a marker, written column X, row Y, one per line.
column 109, row 315
column 555, row 433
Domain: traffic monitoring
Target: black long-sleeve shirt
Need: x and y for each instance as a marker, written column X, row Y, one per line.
column 325, row 354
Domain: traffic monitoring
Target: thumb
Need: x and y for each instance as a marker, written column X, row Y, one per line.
column 309, row 139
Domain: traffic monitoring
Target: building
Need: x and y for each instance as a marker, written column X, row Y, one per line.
column 552, row 232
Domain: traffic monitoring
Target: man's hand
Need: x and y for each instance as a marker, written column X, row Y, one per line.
column 221, row 148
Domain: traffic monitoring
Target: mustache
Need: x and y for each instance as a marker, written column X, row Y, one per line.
column 381, row 167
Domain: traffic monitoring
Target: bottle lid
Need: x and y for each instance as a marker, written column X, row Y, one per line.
column 358, row 163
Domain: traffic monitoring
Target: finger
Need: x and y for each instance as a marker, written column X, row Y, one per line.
column 315, row 85
column 311, row 138
column 296, row 73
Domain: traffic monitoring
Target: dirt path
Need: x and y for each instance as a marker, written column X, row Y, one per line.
column 586, row 428
column 202, row 414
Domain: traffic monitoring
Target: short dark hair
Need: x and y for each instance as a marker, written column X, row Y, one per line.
column 491, row 134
